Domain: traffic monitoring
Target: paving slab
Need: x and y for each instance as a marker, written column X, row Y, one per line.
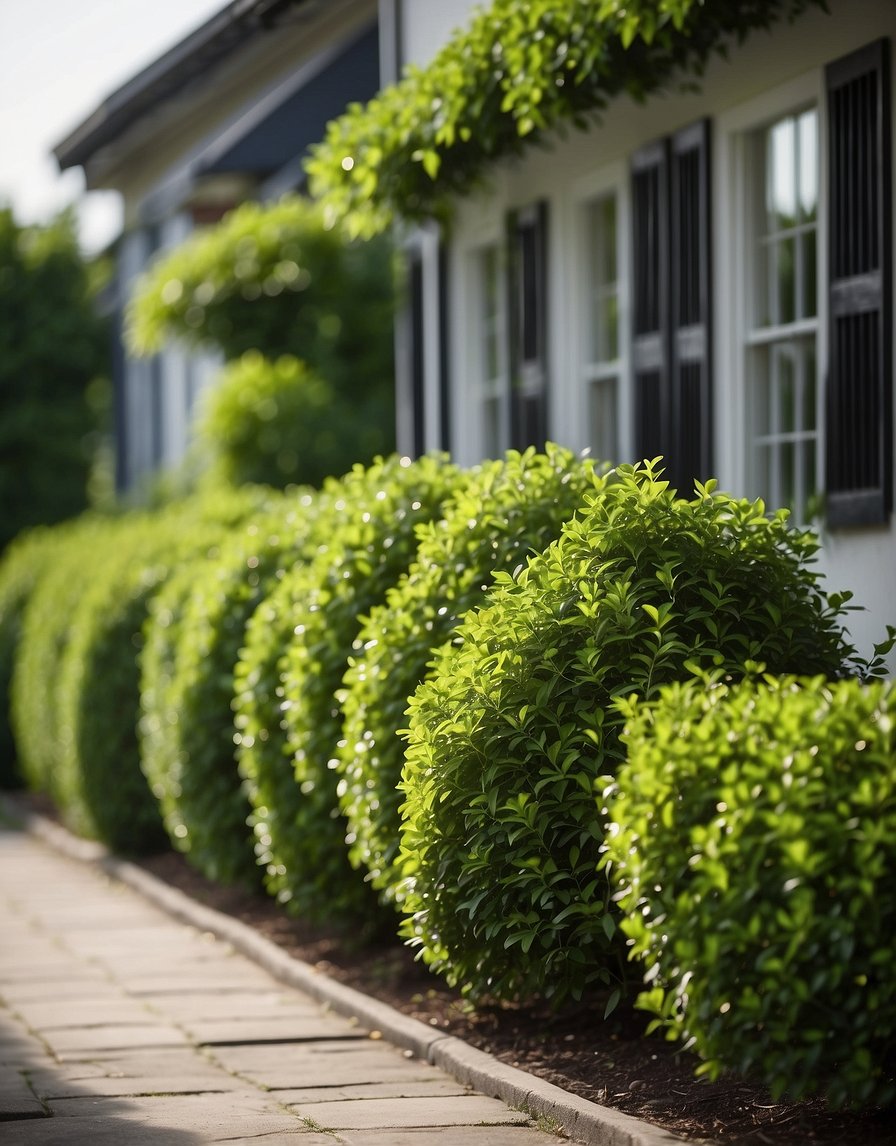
column 97, row 1009
column 405, row 1113
column 437, row 1085
column 177, row 1071
column 82, row 1041
column 325, row 1063
column 271, row 1029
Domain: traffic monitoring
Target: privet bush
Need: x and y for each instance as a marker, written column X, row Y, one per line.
column 107, row 795
column 754, row 844
column 24, row 562
column 272, row 278
column 45, row 624
column 280, row 424
column 503, row 512
column 501, row 841
column 196, row 629
column 370, row 540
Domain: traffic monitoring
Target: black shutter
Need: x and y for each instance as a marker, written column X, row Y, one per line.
column 444, row 361
column 671, row 346
column 690, row 307
column 416, row 333
column 859, row 398
column 527, row 325
column 650, row 317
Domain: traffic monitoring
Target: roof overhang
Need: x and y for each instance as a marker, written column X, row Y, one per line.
column 232, row 29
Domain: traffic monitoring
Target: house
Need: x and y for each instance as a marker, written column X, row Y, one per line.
column 226, row 115
column 701, row 270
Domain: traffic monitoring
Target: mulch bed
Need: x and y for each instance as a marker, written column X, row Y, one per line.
column 610, row 1062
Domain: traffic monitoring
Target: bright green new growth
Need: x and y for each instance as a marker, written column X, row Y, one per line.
column 45, row 622
column 76, row 681
column 279, row 423
column 24, row 563
column 501, row 841
column 517, row 73
column 754, row 845
column 297, row 646
column 195, row 631
column 502, row 513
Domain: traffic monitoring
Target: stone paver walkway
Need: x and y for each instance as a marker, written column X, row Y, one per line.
column 119, row 1025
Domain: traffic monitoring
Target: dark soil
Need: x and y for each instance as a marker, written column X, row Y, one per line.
column 610, row 1062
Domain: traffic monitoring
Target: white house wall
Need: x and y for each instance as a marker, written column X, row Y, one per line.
column 425, row 26
column 770, row 72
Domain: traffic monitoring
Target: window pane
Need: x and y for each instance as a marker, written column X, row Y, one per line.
column 490, row 332
column 810, row 388
column 491, row 430
column 602, row 342
column 808, row 165
column 809, row 299
column 602, row 416
column 784, row 495
column 780, row 176
column 785, row 281
column 785, row 385
column 608, row 232
column 810, row 481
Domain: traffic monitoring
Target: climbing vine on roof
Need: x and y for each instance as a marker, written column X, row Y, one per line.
column 520, row 70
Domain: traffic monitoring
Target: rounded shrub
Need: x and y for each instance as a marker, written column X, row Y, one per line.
column 195, row 631
column 501, row 840
column 77, row 552
column 502, row 512
column 753, row 840
column 107, row 795
column 278, row 423
column 297, row 648
column 24, row 562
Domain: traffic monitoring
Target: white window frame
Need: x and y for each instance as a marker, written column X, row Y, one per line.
column 734, row 271
column 490, row 387
column 469, row 388
column 609, row 181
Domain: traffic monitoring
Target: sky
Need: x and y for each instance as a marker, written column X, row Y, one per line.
column 58, row 60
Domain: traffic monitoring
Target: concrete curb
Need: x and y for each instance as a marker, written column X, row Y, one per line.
column 584, row 1121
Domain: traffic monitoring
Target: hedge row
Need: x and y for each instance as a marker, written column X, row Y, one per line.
column 506, row 702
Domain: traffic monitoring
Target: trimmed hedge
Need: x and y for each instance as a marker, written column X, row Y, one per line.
column 24, row 562
column 753, row 839
column 501, row 842
column 297, row 646
column 195, row 631
column 279, row 423
column 503, row 512
column 45, row 624
column 89, row 639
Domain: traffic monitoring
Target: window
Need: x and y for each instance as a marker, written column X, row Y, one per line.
column 804, row 389
column 781, row 339
column 488, row 323
column 601, row 327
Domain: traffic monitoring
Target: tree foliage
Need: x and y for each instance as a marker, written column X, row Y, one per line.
column 53, row 348
column 518, row 72
column 272, row 280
